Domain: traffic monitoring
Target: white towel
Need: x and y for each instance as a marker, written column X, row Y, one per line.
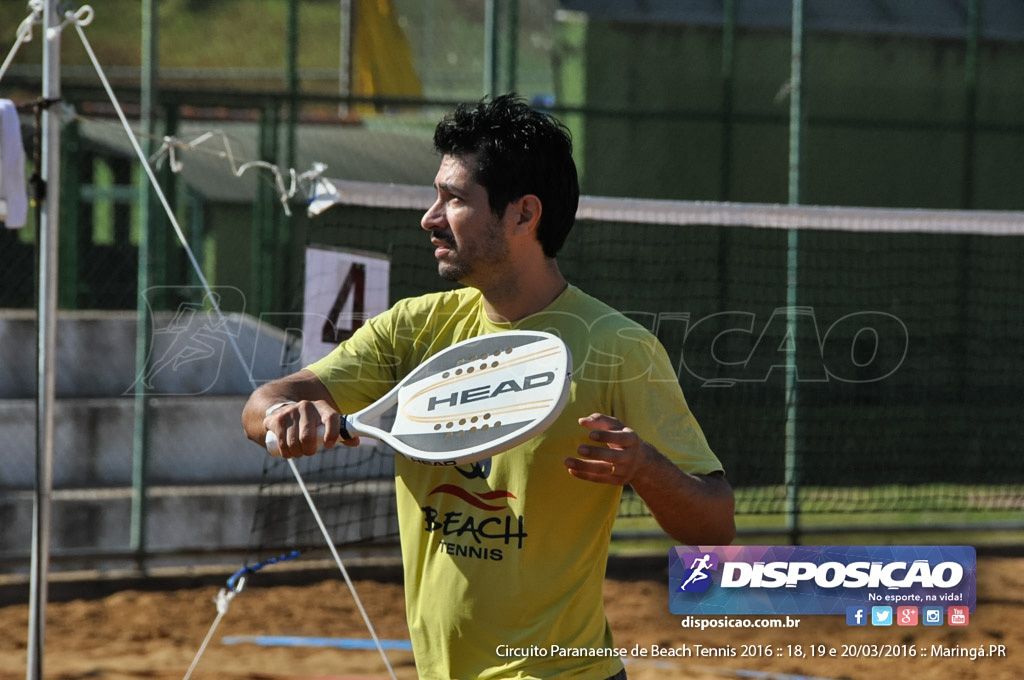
column 13, row 196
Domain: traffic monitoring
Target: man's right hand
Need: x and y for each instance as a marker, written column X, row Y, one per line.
column 302, row 427
column 298, row 404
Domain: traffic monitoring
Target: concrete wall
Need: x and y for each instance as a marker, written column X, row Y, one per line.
column 97, row 522
column 203, row 474
column 193, row 353
column 193, row 440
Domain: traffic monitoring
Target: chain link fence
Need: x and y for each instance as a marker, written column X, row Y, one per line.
column 229, row 160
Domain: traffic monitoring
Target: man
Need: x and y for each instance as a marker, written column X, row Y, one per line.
column 505, row 559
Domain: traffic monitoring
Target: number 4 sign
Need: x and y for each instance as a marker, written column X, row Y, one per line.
column 343, row 289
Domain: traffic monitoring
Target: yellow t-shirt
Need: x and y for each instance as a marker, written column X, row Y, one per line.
column 505, row 559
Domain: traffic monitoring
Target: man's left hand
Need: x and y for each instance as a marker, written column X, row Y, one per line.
column 617, row 462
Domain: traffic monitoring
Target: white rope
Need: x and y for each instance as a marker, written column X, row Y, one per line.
column 171, row 146
column 24, row 33
column 222, row 601
column 311, row 184
column 82, row 18
column 341, row 566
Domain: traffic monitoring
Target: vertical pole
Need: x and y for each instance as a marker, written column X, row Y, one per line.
column 292, row 66
column 965, row 242
column 728, row 78
column 970, row 101
column 491, row 47
column 264, row 253
column 427, row 58
column 46, row 330
column 796, row 101
column 281, row 231
column 346, row 33
column 725, row 148
column 792, row 454
column 143, row 318
column 70, row 248
column 512, row 49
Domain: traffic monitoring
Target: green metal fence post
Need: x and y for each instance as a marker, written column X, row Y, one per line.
column 728, row 74
column 264, row 275
column 512, row 48
column 71, row 180
column 284, row 221
column 492, row 48
column 970, row 101
column 792, row 453
column 143, row 317
column 728, row 80
column 965, row 242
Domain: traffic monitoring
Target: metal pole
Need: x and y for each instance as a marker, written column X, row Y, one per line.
column 264, row 244
column 46, row 330
column 970, row 101
column 281, row 233
column 491, row 47
column 728, row 72
column 292, row 68
column 143, row 319
column 792, row 455
column 345, row 55
column 795, row 101
column 965, row 242
column 512, row 49
column 728, row 80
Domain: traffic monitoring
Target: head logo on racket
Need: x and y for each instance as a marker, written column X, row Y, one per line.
column 474, row 399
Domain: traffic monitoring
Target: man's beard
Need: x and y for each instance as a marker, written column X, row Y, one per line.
column 458, row 268
column 454, row 270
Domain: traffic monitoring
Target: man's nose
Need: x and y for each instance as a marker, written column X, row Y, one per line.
column 433, row 218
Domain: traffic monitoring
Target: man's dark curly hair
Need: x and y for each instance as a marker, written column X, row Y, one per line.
column 518, row 151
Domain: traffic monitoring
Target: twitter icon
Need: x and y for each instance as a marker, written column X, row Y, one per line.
column 881, row 616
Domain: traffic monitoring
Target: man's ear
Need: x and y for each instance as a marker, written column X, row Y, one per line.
column 525, row 212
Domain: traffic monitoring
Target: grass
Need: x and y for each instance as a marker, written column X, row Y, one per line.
column 446, row 37
column 225, row 34
column 978, row 515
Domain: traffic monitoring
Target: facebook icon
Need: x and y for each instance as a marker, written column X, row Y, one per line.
column 856, row 616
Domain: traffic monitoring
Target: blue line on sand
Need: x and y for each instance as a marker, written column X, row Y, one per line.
column 339, row 643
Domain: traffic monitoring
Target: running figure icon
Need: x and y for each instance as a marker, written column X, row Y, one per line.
column 698, row 570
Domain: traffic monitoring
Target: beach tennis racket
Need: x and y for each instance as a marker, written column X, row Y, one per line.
column 470, row 401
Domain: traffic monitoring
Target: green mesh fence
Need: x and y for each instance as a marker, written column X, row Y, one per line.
column 908, row 333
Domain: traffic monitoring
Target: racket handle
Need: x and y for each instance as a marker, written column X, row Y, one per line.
column 275, row 450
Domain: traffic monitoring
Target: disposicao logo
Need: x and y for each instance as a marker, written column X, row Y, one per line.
column 819, row 579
